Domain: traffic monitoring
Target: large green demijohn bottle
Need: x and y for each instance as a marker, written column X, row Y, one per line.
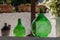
column 19, row 30
column 41, row 26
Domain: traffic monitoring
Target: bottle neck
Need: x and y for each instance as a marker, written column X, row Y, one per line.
column 19, row 21
column 5, row 25
column 41, row 14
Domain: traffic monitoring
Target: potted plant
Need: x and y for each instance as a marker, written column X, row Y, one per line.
column 21, row 8
column 15, row 3
column 54, row 8
column 5, row 6
column 28, row 7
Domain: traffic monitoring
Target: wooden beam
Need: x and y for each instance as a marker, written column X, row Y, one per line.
column 32, row 10
column 32, row 13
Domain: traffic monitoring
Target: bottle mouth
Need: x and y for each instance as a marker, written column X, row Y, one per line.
column 19, row 19
column 41, row 9
column 5, row 23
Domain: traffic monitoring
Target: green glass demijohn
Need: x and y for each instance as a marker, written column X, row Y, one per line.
column 41, row 26
column 19, row 30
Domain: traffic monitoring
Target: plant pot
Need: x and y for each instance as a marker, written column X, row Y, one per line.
column 56, row 19
column 28, row 8
column 21, row 8
column 6, row 8
column 58, row 26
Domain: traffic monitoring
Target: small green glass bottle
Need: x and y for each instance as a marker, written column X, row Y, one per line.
column 41, row 26
column 19, row 30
